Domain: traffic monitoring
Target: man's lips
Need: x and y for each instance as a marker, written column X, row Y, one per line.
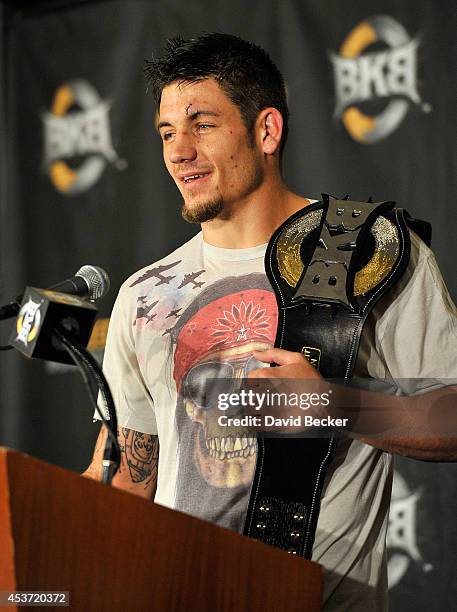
column 193, row 179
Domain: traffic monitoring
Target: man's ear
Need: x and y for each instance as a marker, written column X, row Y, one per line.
column 270, row 124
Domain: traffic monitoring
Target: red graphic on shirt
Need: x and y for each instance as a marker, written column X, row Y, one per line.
column 235, row 320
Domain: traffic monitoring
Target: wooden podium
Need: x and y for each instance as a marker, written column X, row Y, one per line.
column 116, row 552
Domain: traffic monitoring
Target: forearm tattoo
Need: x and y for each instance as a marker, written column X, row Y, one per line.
column 140, row 452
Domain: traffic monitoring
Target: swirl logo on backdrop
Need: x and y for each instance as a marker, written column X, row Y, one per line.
column 375, row 76
column 77, row 136
column 402, row 531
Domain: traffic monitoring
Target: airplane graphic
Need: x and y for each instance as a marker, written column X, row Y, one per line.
column 157, row 273
column 143, row 311
column 142, row 298
column 190, row 278
column 174, row 313
column 168, row 331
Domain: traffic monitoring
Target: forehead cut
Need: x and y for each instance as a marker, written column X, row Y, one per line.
column 189, row 116
column 192, row 103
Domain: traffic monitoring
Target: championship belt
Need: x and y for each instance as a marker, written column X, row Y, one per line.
column 328, row 264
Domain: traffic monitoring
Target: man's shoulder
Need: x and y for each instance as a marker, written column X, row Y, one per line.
column 162, row 271
column 420, row 287
column 420, row 251
column 422, row 268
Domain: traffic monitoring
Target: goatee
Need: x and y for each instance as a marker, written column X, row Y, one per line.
column 205, row 211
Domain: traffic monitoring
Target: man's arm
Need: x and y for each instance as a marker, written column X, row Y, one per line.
column 423, row 426
column 408, row 422
column 438, row 449
column 139, row 462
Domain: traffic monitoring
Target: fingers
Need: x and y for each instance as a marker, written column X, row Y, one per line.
column 261, row 373
column 291, row 365
column 278, row 356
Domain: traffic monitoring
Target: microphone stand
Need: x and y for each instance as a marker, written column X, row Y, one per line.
column 10, row 310
column 92, row 373
column 7, row 312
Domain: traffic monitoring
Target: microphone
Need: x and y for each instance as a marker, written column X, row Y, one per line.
column 89, row 282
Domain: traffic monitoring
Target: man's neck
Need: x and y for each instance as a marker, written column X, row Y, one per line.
column 252, row 221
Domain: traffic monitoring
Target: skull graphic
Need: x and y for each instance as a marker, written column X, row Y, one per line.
column 215, row 344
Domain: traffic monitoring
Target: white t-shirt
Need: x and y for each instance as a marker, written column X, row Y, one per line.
column 173, row 324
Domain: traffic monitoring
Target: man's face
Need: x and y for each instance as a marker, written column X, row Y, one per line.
column 207, row 149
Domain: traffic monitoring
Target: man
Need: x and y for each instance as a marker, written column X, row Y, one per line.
column 208, row 310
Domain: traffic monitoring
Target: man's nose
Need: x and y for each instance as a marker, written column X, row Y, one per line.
column 182, row 149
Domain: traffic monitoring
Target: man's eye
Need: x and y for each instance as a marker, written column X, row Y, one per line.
column 204, row 126
column 167, row 135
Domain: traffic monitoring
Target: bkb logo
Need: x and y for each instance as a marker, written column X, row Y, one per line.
column 401, row 534
column 377, row 61
column 28, row 322
column 77, row 130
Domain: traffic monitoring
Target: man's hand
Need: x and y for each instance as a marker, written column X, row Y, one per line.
column 410, row 414
column 293, row 376
column 289, row 365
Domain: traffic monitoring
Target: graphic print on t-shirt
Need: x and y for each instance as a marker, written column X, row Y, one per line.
column 145, row 309
column 158, row 273
column 215, row 337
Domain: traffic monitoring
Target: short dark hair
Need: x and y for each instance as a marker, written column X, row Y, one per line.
column 244, row 71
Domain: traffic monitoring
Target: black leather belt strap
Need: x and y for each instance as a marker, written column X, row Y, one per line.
column 328, row 265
